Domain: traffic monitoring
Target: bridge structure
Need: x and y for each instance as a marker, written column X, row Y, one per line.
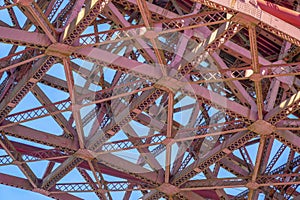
column 156, row 99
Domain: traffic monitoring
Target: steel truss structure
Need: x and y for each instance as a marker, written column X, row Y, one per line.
column 156, row 99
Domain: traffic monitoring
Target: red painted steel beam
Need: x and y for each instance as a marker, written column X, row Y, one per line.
column 124, row 64
column 84, row 18
column 30, row 134
column 24, row 38
column 154, row 73
column 24, row 184
column 288, row 15
column 59, row 118
column 268, row 22
column 31, row 151
column 122, row 164
column 15, row 181
column 289, row 138
column 64, row 196
column 285, row 108
column 207, row 194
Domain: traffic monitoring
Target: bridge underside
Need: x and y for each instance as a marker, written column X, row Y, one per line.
column 157, row 99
